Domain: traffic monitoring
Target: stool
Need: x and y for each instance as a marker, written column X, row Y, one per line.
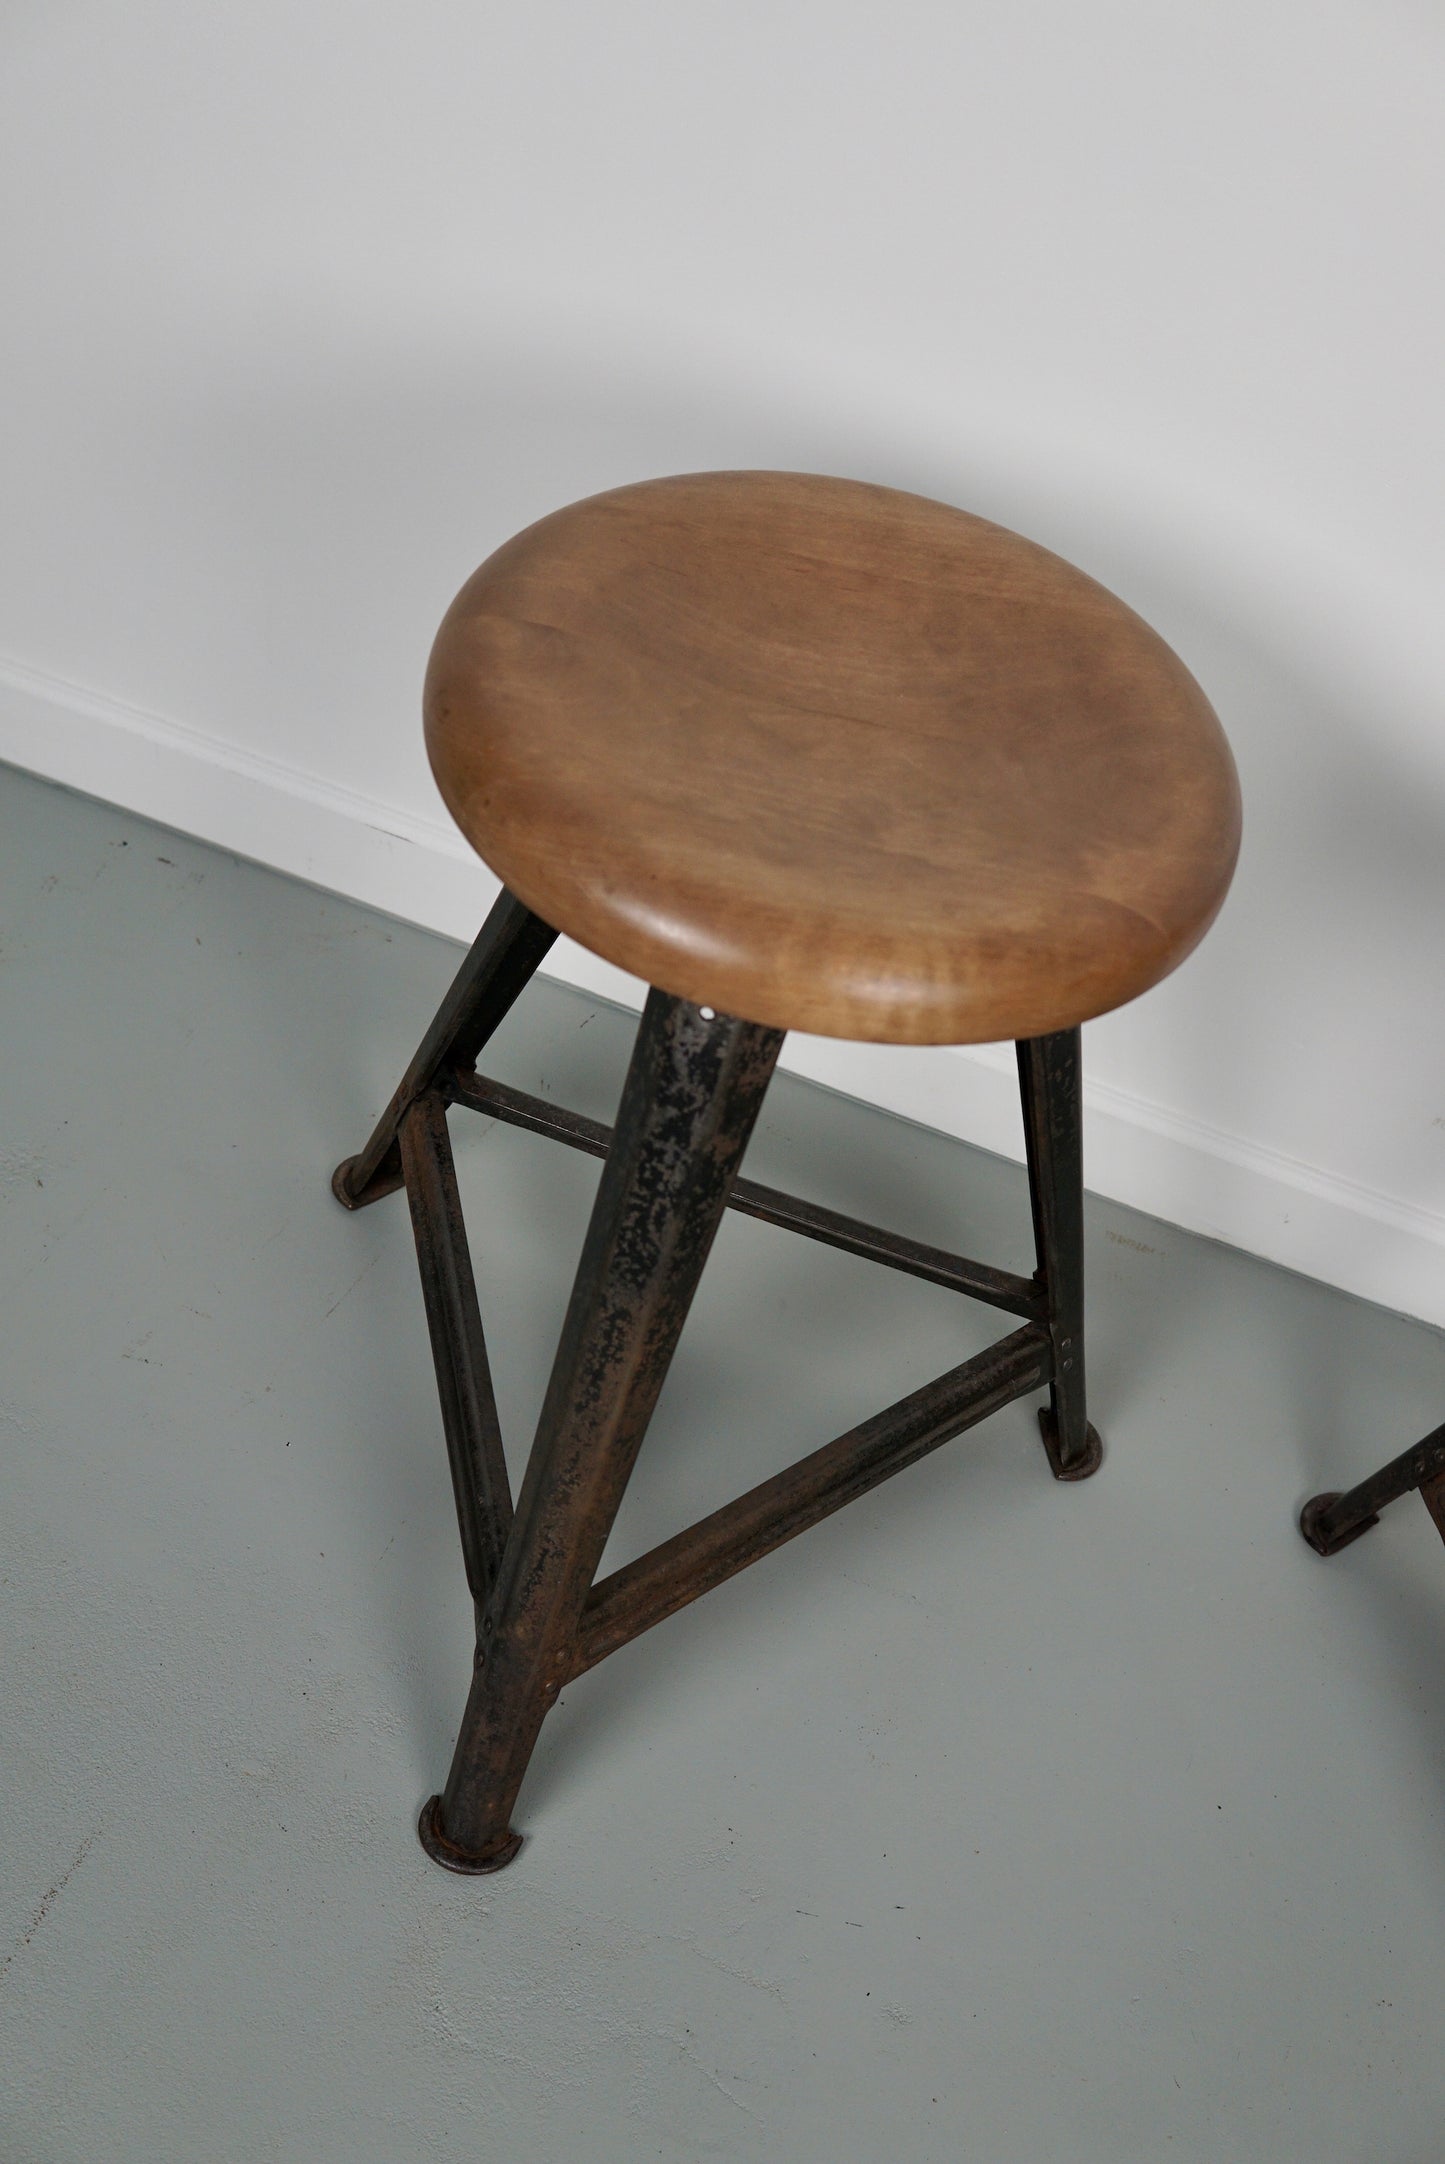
column 801, row 754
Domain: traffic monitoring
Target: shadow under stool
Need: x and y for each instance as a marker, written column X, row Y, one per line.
column 801, row 754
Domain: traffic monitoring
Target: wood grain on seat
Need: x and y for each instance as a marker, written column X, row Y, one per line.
column 832, row 758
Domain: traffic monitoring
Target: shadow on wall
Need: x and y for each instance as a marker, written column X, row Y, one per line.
column 299, row 535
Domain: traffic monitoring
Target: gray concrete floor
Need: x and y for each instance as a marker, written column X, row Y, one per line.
column 993, row 1819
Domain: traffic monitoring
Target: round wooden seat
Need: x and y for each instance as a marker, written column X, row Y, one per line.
column 832, row 758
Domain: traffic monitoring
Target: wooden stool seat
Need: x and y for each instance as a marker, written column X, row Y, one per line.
column 832, row 758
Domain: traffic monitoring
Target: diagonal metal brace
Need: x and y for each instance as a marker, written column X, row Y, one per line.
column 1025, row 1296
column 691, row 1563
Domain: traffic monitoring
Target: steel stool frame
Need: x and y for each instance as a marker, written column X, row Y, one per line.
column 694, row 1088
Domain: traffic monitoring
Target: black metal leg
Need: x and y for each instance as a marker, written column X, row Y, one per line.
column 1049, row 1074
column 1331, row 1521
column 693, row 1092
column 464, row 1379
column 506, row 954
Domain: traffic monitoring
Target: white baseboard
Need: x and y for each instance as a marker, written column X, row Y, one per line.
column 1143, row 1154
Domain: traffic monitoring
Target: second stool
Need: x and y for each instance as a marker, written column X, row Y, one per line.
column 802, row 754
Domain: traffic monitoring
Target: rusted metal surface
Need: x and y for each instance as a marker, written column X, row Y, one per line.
column 690, row 1564
column 1023, row 1296
column 502, row 961
column 693, row 1091
column 459, row 1349
column 1331, row 1521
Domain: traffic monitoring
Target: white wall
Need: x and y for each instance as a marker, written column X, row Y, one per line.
column 305, row 306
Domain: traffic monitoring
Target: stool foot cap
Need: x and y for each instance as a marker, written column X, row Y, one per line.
column 385, row 1182
column 451, row 1858
column 1314, row 1511
column 1091, row 1458
column 338, row 1185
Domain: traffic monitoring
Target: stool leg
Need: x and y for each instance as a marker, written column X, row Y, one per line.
column 1331, row 1521
column 693, row 1091
column 459, row 1348
column 1053, row 1135
column 504, row 957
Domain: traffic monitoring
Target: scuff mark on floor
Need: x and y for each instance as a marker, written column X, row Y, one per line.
column 351, row 1287
column 1121, row 1239
column 48, row 1901
column 684, row 2044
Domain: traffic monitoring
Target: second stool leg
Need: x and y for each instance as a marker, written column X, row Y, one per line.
column 504, row 957
column 693, row 1091
column 1331, row 1521
column 1049, row 1077
column 459, row 1346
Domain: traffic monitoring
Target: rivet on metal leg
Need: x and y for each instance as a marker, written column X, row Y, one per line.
column 1083, row 1466
column 451, row 1858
